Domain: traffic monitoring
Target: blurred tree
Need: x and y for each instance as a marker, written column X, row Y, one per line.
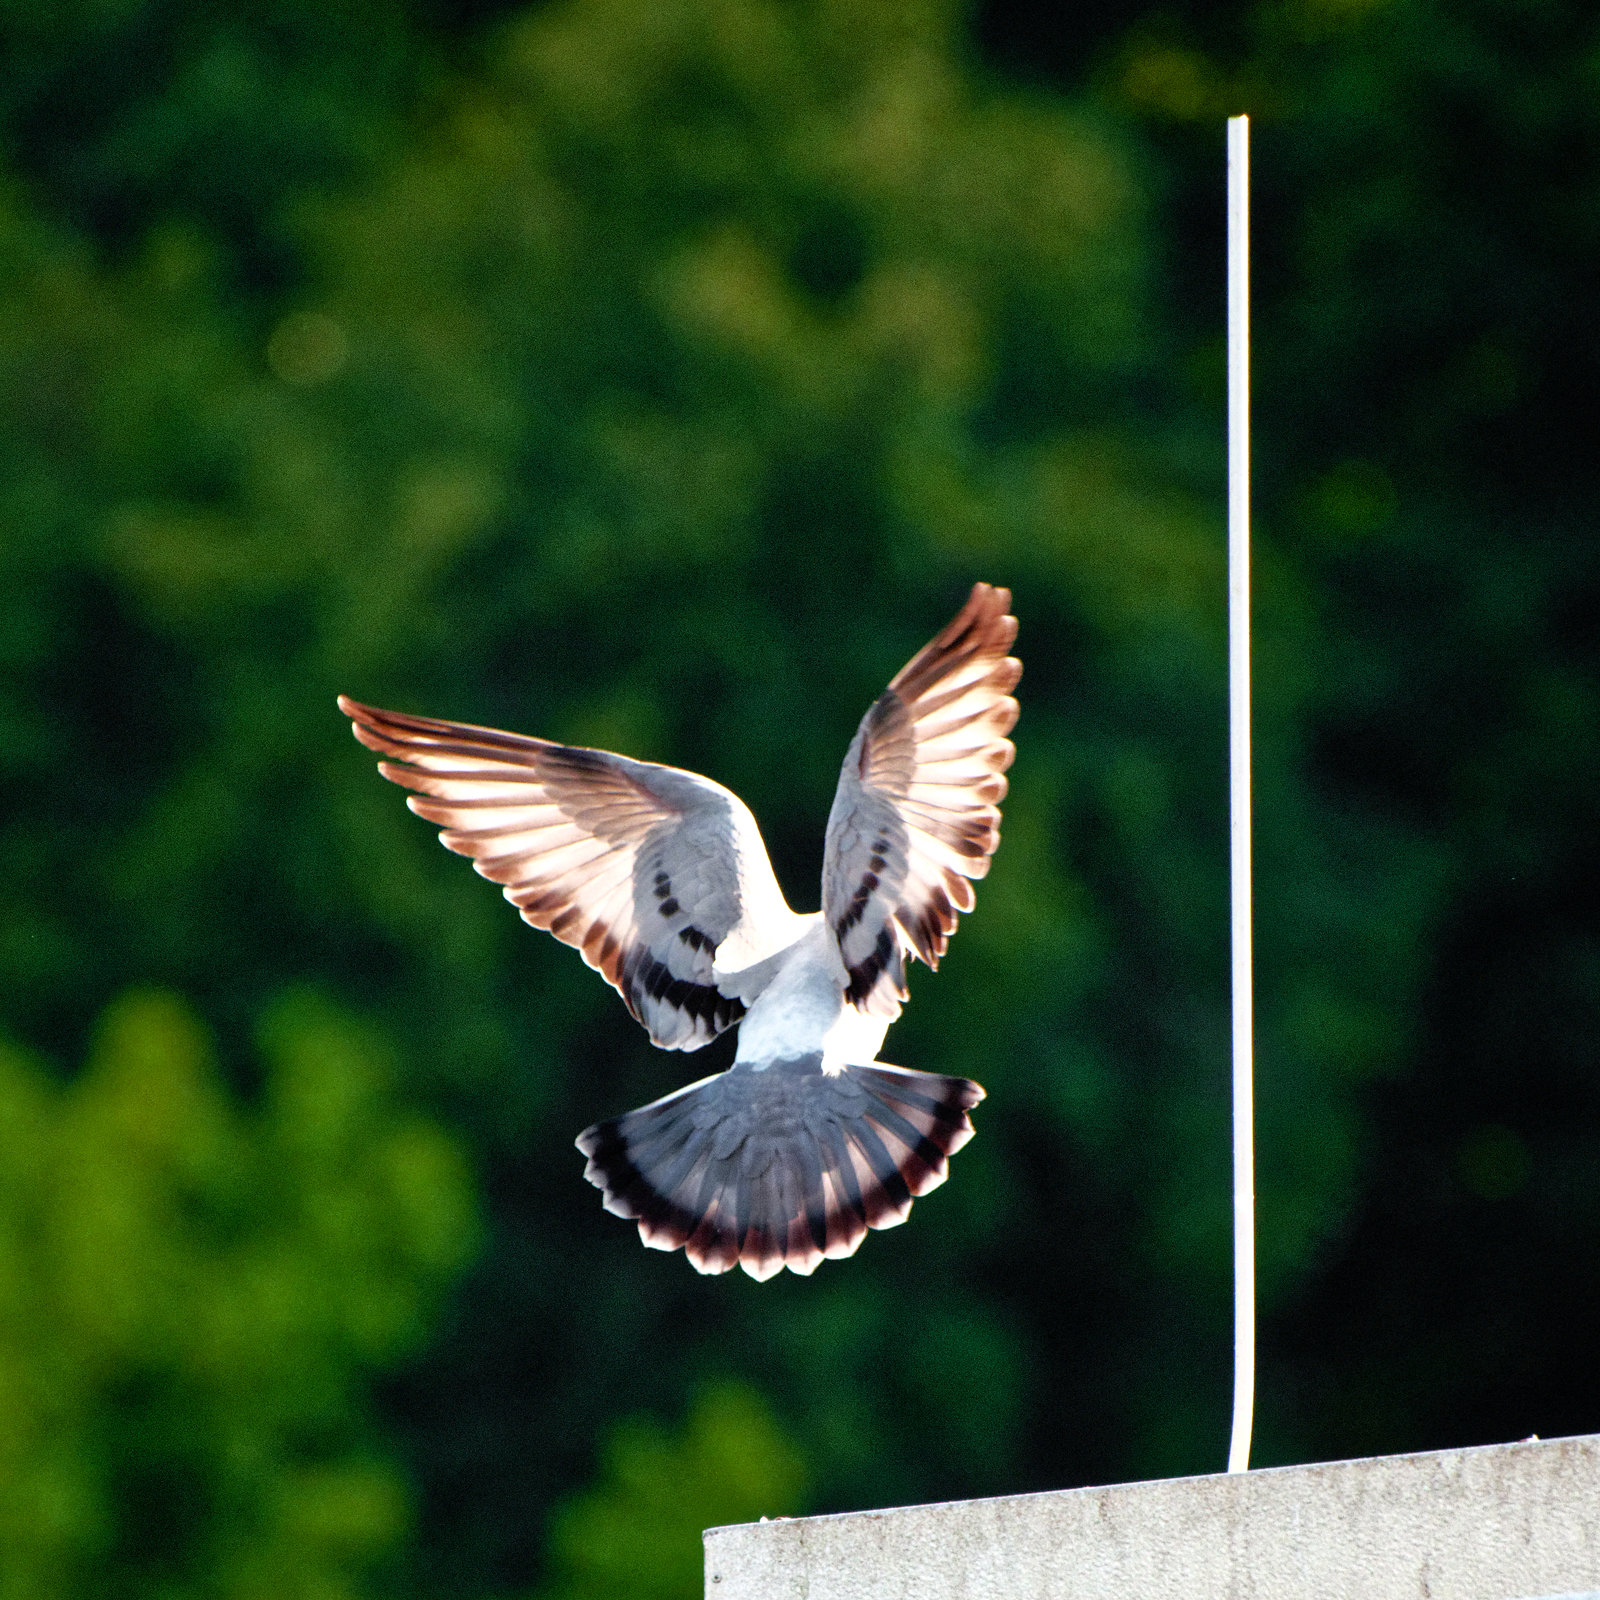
column 128, row 114
column 637, row 1532
column 190, row 1295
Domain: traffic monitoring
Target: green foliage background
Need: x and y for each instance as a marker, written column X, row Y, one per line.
column 659, row 377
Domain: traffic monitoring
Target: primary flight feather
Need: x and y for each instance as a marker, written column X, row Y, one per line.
column 659, row 878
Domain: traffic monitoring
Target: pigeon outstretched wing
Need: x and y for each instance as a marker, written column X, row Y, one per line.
column 917, row 811
column 658, row 877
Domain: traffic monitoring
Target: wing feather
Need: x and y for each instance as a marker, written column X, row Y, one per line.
column 917, row 811
column 645, row 870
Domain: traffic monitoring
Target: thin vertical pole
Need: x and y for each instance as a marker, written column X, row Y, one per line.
column 1244, row 1183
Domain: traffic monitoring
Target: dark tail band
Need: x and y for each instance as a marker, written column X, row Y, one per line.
column 779, row 1164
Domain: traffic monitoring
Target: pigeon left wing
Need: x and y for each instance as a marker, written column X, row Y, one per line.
column 917, row 811
column 648, row 871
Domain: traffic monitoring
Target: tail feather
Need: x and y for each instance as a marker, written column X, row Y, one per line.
column 779, row 1164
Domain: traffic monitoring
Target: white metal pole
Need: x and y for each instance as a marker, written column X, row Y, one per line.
column 1244, row 1198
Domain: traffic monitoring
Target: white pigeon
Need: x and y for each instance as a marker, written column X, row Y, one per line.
column 660, row 879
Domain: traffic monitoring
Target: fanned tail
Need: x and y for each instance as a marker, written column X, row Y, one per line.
column 779, row 1164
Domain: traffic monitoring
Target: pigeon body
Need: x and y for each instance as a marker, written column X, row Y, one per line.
column 660, row 879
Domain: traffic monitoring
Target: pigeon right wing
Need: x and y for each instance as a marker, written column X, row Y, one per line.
column 917, row 812
column 648, row 871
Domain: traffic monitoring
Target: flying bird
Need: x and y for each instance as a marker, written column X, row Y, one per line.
column 660, row 879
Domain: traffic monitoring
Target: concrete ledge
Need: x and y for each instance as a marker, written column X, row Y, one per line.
column 1506, row 1522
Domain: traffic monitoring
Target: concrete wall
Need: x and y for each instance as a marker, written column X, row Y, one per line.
column 1507, row 1522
